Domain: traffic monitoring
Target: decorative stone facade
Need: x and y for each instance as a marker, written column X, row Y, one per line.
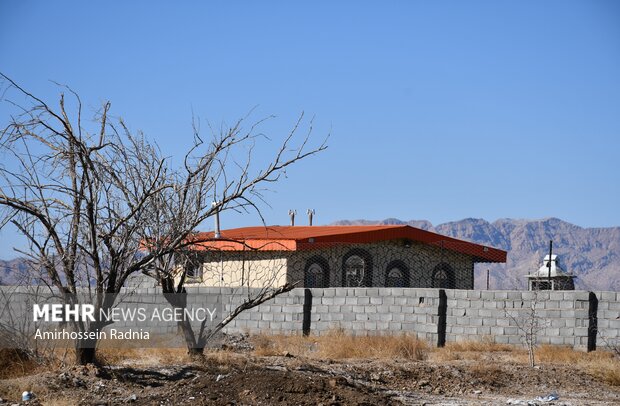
column 394, row 263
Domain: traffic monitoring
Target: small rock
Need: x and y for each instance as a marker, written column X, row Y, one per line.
column 477, row 392
column 133, row 398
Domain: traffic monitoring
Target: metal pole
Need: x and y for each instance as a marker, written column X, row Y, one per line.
column 549, row 264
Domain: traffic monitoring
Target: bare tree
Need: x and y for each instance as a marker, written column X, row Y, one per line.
column 529, row 323
column 88, row 194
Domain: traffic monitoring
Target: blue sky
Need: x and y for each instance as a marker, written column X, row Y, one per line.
column 438, row 110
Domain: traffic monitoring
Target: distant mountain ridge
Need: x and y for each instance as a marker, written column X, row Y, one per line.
column 593, row 254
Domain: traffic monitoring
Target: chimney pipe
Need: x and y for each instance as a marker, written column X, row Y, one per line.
column 292, row 213
column 216, row 231
column 310, row 214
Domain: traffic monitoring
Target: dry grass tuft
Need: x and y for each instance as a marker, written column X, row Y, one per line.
column 607, row 370
column 16, row 362
column 485, row 345
column 559, row 354
column 339, row 345
column 473, row 350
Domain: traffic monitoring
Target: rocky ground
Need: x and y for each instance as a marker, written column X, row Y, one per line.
column 236, row 376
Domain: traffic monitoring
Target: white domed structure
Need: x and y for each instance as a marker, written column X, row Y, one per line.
column 550, row 276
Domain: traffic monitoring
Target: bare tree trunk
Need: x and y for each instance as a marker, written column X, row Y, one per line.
column 85, row 356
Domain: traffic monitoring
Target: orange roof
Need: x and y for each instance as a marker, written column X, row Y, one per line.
column 295, row 238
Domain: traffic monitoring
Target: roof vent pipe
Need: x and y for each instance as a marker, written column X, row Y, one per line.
column 310, row 214
column 292, row 213
column 216, row 231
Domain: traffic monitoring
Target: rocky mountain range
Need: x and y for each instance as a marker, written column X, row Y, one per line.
column 592, row 254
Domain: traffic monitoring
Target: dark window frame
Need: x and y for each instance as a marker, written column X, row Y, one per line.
column 449, row 282
column 403, row 268
column 368, row 267
column 324, row 264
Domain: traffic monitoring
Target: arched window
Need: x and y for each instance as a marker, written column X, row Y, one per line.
column 443, row 276
column 397, row 275
column 357, row 268
column 193, row 267
column 316, row 274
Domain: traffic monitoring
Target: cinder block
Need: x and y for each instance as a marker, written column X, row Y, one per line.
column 470, row 331
column 576, row 295
column 376, row 300
column 400, row 300
column 560, row 323
column 400, row 316
column 409, row 326
column 606, row 296
column 395, row 326
column 614, row 305
column 385, row 317
column 487, row 295
column 556, row 296
column 501, row 295
column 363, row 300
column 473, row 294
column 339, row 300
column 581, row 331
column 476, row 304
column 316, row 293
column 568, row 314
column 325, row 301
column 383, row 309
column 358, row 326
column 352, row 300
column 388, row 300
column 370, row 309
column 358, row 309
column 459, row 294
column 329, row 292
column 361, row 316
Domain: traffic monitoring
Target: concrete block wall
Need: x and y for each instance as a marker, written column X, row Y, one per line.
column 358, row 311
column 608, row 319
column 564, row 317
column 561, row 318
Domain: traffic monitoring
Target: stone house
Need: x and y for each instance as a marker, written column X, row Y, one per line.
column 336, row 256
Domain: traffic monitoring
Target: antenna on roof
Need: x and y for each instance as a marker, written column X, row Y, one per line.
column 311, row 213
column 292, row 213
column 216, row 231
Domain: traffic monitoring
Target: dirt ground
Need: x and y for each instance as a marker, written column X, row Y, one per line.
column 237, row 376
